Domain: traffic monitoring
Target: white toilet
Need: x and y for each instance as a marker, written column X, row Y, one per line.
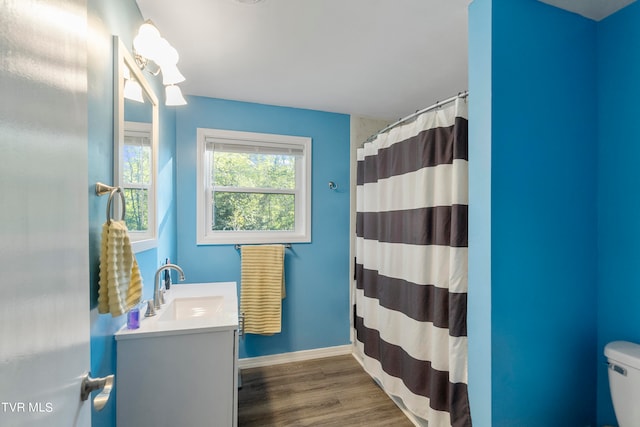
column 624, row 381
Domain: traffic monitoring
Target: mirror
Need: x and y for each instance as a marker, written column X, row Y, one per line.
column 135, row 147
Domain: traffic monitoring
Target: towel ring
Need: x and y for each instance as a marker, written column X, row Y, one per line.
column 102, row 189
column 111, row 194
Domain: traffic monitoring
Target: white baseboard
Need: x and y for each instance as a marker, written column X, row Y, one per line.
column 295, row 356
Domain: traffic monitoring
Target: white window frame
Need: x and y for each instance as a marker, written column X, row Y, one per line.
column 302, row 231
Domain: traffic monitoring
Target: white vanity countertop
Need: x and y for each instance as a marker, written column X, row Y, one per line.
column 225, row 318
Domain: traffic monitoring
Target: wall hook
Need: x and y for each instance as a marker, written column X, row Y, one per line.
column 333, row 185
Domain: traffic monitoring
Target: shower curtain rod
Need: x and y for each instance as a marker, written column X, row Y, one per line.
column 417, row 113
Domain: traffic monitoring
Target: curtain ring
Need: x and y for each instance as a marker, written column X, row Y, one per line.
column 111, row 194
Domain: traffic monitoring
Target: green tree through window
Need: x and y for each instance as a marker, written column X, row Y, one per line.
column 253, row 191
column 136, row 177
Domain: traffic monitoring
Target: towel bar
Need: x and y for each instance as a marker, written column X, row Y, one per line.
column 102, row 189
column 286, row 245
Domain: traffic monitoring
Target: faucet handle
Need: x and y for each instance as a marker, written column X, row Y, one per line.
column 161, row 296
column 151, row 311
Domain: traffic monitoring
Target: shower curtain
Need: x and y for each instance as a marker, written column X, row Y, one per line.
column 411, row 263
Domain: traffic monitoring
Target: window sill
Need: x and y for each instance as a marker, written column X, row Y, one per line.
column 144, row 245
column 240, row 238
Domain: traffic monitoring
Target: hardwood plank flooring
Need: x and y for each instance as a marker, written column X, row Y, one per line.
column 332, row 392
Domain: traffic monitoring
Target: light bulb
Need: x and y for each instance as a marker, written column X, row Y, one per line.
column 133, row 91
column 171, row 75
column 168, row 55
column 173, row 96
column 148, row 41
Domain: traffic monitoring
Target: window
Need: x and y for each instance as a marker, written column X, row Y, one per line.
column 137, row 180
column 253, row 188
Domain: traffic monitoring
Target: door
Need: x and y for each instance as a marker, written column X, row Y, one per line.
column 44, row 274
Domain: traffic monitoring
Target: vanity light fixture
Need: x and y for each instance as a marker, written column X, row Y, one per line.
column 150, row 46
column 132, row 89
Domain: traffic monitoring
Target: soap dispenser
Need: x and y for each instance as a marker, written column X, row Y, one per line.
column 133, row 317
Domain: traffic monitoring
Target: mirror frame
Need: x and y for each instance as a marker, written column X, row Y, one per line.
column 122, row 58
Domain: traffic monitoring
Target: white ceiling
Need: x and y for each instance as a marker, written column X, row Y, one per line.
column 373, row 58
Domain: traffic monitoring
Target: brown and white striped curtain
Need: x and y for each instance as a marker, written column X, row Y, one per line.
column 411, row 264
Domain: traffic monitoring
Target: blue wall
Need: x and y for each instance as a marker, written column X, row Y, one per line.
column 575, row 85
column 543, row 224
column 619, row 197
column 106, row 19
column 316, row 309
column 543, row 217
column 479, row 294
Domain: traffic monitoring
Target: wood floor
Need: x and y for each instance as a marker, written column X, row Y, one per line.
column 333, row 391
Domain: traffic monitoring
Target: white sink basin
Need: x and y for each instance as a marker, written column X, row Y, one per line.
column 192, row 308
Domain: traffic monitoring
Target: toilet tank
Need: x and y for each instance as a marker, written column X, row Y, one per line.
column 624, row 381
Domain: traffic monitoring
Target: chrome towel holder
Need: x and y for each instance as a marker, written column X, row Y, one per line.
column 286, row 246
column 102, row 189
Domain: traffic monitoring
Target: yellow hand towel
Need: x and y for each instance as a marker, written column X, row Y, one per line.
column 262, row 288
column 120, row 284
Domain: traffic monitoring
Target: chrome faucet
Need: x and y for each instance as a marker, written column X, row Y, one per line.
column 157, row 295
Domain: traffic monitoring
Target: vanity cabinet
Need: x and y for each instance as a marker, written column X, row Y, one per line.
column 180, row 375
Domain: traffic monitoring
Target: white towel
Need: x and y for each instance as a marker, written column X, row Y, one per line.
column 262, row 288
column 120, row 284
